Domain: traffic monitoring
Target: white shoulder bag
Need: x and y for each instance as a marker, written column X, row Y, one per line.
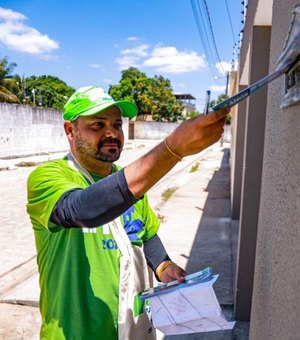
column 134, row 322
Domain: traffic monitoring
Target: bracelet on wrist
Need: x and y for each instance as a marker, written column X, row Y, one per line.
column 162, row 268
column 171, row 151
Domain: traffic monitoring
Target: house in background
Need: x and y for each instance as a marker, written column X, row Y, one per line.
column 188, row 102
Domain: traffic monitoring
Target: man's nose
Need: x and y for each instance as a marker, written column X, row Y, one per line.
column 111, row 132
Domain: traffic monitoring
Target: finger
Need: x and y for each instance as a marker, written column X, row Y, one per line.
column 179, row 274
column 220, row 114
column 212, row 117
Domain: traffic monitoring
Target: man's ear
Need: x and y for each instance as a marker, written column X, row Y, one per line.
column 69, row 130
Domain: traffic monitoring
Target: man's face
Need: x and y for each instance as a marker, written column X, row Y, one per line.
column 99, row 137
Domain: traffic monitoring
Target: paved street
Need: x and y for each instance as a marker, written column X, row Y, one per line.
column 196, row 230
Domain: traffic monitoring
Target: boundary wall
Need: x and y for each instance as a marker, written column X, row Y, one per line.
column 27, row 130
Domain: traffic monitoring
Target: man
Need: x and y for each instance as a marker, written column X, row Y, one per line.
column 93, row 225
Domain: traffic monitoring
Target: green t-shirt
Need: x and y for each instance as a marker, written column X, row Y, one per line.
column 79, row 267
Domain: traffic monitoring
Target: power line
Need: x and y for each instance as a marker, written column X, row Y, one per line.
column 213, row 36
column 203, row 35
column 229, row 17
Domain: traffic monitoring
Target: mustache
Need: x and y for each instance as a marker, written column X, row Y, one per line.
column 110, row 140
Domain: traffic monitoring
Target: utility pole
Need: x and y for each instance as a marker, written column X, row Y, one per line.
column 33, row 95
column 207, row 101
column 227, row 82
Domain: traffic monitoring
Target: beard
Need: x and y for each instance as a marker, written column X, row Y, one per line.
column 90, row 152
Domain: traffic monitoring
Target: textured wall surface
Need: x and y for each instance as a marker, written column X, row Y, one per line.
column 276, row 295
column 160, row 130
column 28, row 130
column 152, row 130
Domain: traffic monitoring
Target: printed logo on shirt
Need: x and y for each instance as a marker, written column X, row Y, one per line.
column 109, row 244
column 89, row 230
column 132, row 227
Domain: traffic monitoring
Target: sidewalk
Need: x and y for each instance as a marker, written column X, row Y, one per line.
column 196, row 230
column 198, row 233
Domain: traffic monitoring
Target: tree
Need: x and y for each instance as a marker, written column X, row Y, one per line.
column 164, row 104
column 133, row 87
column 47, row 91
column 6, row 81
column 220, row 98
column 192, row 114
column 153, row 96
column 19, row 88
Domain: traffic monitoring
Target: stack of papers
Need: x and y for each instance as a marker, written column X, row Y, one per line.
column 187, row 307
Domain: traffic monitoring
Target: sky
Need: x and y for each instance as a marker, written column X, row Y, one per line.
column 91, row 42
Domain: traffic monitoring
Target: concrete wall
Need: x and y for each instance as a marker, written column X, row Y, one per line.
column 251, row 172
column 237, row 156
column 160, row 130
column 276, row 293
column 248, row 148
column 266, row 182
column 153, row 130
column 26, row 130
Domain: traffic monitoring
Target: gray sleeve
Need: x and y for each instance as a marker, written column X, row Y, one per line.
column 96, row 205
column 155, row 253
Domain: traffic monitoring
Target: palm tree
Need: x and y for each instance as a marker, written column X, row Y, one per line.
column 6, row 81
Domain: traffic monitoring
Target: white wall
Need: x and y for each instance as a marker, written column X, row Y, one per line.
column 26, row 130
column 153, row 130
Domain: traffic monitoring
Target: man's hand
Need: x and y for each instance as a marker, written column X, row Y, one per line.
column 169, row 271
column 190, row 137
column 198, row 133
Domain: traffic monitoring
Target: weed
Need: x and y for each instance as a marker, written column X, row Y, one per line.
column 195, row 167
column 26, row 164
column 168, row 193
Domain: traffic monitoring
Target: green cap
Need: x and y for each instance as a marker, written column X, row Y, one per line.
column 90, row 100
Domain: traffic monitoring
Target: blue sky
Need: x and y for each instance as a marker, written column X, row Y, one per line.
column 90, row 42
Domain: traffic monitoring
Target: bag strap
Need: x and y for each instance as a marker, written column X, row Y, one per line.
column 73, row 163
column 121, row 237
column 115, row 226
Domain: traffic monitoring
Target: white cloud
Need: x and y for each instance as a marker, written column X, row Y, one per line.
column 163, row 59
column 139, row 51
column 133, row 39
column 181, row 85
column 18, row 36
column 9, row 15
column 170, row 60
column 223, row 66
column 95, row 65
column 128, row 61
column 107, row 81
column 217, row 88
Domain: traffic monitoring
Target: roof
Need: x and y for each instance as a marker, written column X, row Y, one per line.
column 183, row 96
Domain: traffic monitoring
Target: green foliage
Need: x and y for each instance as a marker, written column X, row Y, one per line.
column 168, row 193
column 192, row 114
column 6, row 96
column 195, row 167
column 6, row 69
column 228, row 120
column 6, row 81
column 46, row 91
column 221, row 98
column 153, row 96
column 133, row 87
